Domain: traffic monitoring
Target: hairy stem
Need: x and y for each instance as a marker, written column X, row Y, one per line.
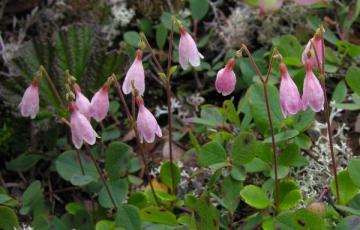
column 88, row 152
column 133, row 125
column 321, row 67
column 268, row 111
column 53, row 88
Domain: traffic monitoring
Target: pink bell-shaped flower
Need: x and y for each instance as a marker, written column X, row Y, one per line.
column 309, row 51
column 29, row 105
column 81, row 129
column 100, row 103
column 313, row 94
column 135, row 75
column 147, row 125
column 82, row 102
column 267, row 6
column 226, row 79
column 188, row 52
column 290, row 100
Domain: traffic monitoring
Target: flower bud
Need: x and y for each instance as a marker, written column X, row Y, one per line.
column 136, row 75
column 317, row 207
column 146, row 123
column 290, row 100
column 226, row 79
column 267, row 6
column 82, row 102
column 313, row 94
column 29, row 105
column 314, row 45
column 188, row 52
column 100, row 103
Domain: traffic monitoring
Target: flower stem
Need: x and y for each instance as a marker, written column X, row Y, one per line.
column 322, row 77
column 88, row 152
column 53, row 88
column 267, row 103
column 133, row 125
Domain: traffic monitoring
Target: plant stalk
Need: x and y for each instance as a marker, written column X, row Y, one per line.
column 133, row 125
column 88, row 152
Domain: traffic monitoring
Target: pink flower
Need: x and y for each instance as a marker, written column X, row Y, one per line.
column 100, row 103
column 188, row 52
column 309, row 51
column 135, row 75
column 313, row 94
column 290, row 100
column 226, row 79
column 267, row 6
column 147, row 125
column 82, row 102
column 81, row 129
column 29, row 105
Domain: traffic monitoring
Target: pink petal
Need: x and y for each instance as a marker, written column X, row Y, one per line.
column 29, row 105
column 100, row 104
column 188, row 52
column 147, row 125
column 135, row 74
column 313, row 95
column 267, row 6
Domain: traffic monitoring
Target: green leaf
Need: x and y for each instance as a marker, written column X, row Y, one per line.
column 165, row 174
column 4, row 198
column 349, row 223
column 33, row 200
column 244, row 148
column 73, row 48
column 304, row 120
column 146, row 27
column 105, row 225
column 303, row 219
column 340, row 92
column 288, row 46
column 257, row 165
column 117, row 159
column 155, row 215
column 132, row 38
column 128, row 218
column 68, row 166
column 231, row 113
column 348, row 48
column 230, row 189
column 199, row 8
column 80, row 180
column 255, row 197
column 205, row 214
column 8, row 219
column 74, row 207
column 161, row 35
column 212, row 153
column 110, row 133
column 291, row 156
column 289, row 194
column 258, row 107
column 348, row 210
column 352, row 78
column 23, row 162
column 118, row 190
column 137, row 199
column 283, row 136
column 354, row 171
column 347, row 188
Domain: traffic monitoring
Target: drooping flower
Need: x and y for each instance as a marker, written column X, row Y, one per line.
column 100, row 103
column 135, row 75
column 313, row 94
column 29, row 105
column 226, row 79
column 290, row 100
column 147, row 125
column 267, row 6
column 81, row 129
column 314, row 43
column 188, row 52
column 82, row 102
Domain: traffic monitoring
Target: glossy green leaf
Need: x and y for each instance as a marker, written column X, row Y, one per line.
column 230, row 189
column 155, row 215
column 132, row 38
column 347, row 188
column 105, row 225
column 283, row 136
column 354, row 171
column 244, row 148
column 128, row 217
column 303, row 219
column 352, row 79
column 199, row 8
column 205, row 214
column 212, row 153
column 117, row 159
column 231, row 113
column 166, row 170
column 8, row 219
column 137, row 199
column 289, row 194
column 118, row 190
column 255, row 197
column 340, row 92
column 161, row 35
column 291, row 156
